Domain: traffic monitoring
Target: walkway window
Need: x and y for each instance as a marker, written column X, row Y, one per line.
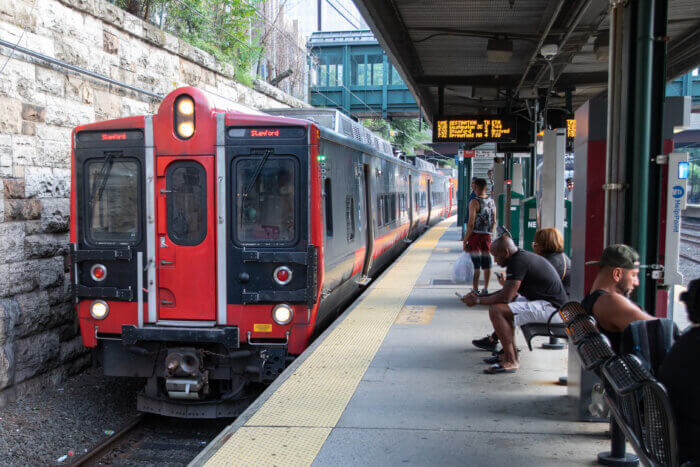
column 330, row 70
column 394, row 77
column 358, row 72
column 375, row 69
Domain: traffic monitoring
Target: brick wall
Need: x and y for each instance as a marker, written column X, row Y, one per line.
column 39, row 105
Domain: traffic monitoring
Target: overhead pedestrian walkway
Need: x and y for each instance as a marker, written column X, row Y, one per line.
column 396, row 381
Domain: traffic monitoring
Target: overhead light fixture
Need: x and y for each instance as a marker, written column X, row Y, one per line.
column 499, row 50
column 549, row 51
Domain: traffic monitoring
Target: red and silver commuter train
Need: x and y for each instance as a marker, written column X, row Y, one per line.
column 209, row 247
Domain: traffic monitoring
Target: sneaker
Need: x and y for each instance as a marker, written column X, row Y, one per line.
column 488, row 343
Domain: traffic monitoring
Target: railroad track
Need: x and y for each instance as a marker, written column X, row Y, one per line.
column 689, row 238
column 149, row 440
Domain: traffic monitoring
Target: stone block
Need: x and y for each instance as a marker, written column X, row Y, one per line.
column 110, row 14
column 68, row 331
column 46, row 246
column 11, row 242
column 9, row 316
column 32, row 227
column 10, row 115
column 33, row 113
column 53, row 133
column 73, row 52
column 71, row 350
column 13, row 188
column 22, row 209
column 55, row 215
column 132, row 107
column 36, row 354
column 67, row 113
column 29, row 128
column 44, row 182
column 51, row 270
column 61, row 294
column 7, row 365
column 24, row 151
column 49, row 81
column 110, row 42
column 49, row 154
column 17, row 278
column 19, row 14
column 108, row 104
column 34, row 313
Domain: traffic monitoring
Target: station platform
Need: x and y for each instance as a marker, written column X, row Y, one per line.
column 396, row 381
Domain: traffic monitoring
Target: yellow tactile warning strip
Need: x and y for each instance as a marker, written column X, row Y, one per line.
column 416, row 314
column 292, row 425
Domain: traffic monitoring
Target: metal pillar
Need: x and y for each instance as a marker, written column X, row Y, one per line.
column 638, row 154
column 533, row 152
column 656, row 139
column 509, row 189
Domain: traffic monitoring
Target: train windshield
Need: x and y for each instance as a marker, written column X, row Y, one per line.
column 266, row 199
column 113, row 200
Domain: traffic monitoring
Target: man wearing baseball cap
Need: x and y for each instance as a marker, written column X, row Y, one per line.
column 608, row 301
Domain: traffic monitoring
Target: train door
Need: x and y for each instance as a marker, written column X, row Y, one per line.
column 369, row 231
column 410, row 202
column 430, row 204
column 185, row 242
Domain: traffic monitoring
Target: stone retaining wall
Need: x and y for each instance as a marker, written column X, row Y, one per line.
column 39, row 105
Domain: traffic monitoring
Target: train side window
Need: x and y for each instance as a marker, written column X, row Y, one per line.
column 387, row 207
column 350, row 217
column 113, row 202
column 186, row 184
column 380, row 210
column 416, row 204
column 393, row 206
column 329, row 206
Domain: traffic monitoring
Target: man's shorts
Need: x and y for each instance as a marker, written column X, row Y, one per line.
column 479, row 243
column 536, row 311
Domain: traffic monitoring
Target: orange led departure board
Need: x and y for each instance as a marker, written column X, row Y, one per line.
column 476, row 129
column 570, row 128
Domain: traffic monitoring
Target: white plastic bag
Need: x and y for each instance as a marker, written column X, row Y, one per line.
column 463, row 269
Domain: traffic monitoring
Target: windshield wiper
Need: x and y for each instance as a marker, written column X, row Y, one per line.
column 100, row 183
column 256, row 174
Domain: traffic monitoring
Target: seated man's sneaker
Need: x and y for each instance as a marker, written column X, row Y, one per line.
column 488, row 343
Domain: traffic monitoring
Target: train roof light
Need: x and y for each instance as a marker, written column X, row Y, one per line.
column 184, row 117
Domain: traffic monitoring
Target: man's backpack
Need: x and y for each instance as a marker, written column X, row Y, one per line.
column 650, row 341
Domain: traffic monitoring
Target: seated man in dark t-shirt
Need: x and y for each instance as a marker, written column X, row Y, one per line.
column 680, row 373
column 531, row 293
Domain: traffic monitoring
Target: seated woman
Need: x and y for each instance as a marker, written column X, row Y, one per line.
column 680, row 373
column 550, row 244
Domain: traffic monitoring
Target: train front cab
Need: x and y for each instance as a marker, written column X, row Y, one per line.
column 191, row 262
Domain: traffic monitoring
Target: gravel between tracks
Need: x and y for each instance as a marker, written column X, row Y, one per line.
column 40, row 428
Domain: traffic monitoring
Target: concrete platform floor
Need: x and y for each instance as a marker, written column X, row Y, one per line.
column 425, row 400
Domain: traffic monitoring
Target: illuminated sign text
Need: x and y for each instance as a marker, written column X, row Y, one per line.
column 478, row 129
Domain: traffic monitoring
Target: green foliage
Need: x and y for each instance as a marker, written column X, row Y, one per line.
column 220, row 27
column 403, row 133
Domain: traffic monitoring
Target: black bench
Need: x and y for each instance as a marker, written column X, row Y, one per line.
column 639, row 404
column 532, row 330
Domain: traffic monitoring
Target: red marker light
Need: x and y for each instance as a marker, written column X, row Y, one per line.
column 99, row 272
column 113, row 136
column 509, row 182
column 282, row 275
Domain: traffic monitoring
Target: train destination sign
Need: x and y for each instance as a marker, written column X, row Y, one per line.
column 475, row 129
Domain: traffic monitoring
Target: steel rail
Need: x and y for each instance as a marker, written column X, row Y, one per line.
column 77, row 69
column 95, row 454
column 543, row 37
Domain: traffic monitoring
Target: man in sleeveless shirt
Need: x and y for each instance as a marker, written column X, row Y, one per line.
column 482, row 220
column 608, row 301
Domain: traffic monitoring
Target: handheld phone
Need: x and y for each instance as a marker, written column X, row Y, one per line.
column 458, row 295
column 499, row 275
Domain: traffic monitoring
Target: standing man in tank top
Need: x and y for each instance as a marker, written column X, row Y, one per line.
column 608, row 301
column 477, row 241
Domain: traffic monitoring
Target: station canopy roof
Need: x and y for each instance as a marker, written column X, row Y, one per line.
column 482, row 51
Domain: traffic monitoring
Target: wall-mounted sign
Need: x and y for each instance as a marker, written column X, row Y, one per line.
column 475, row 129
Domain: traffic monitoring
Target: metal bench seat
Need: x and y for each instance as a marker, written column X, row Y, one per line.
column 594, row 351
column 532, row 330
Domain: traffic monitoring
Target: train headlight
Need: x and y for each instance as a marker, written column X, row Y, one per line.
column 282, row 314
column 282, row 275
column 184, row 116
column 99, row 309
